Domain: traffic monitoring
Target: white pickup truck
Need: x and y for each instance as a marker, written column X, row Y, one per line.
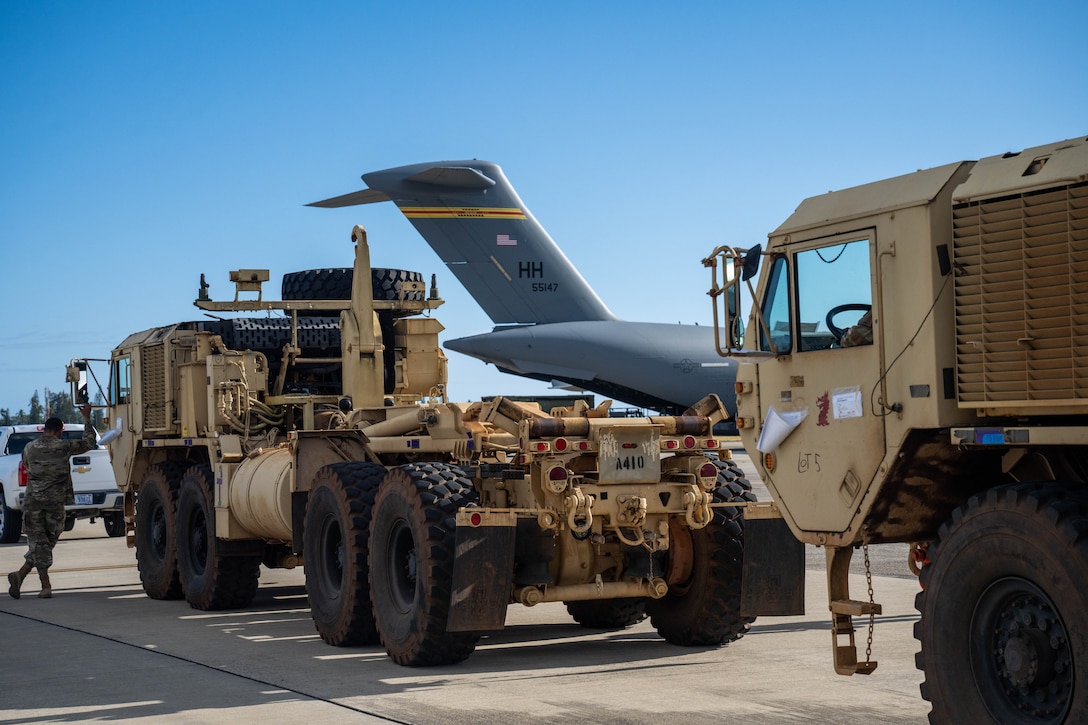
column 92, row 478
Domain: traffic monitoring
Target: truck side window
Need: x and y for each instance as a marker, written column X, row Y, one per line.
column 834, row 293
column 120, row 382
column 776, row 310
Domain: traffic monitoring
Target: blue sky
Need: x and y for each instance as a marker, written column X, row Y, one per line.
column 142, row 144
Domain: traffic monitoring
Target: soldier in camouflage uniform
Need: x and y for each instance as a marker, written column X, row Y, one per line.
column 861, row 333
column 49, row 488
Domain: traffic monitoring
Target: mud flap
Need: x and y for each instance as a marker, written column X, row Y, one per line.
column 773, row 582
column 483, row 571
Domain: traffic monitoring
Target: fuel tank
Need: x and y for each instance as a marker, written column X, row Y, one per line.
column 260, row 494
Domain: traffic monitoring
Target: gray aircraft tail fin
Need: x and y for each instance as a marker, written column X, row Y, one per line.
column 472, row 217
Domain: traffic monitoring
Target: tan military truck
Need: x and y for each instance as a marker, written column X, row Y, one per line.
column 319, row 431
column 917, row 371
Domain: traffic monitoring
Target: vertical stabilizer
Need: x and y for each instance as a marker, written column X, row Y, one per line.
column 472, row 217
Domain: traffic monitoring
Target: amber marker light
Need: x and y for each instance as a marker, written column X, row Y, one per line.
column 769, row 462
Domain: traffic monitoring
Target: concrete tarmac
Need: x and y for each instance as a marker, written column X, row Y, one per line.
column 100, row 650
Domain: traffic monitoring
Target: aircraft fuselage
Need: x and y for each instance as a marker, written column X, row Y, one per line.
column 615, row 358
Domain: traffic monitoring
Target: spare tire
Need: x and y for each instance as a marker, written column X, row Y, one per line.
column 334, row 283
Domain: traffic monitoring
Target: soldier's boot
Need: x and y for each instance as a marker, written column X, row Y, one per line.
column 47, row 588
column 15, row 580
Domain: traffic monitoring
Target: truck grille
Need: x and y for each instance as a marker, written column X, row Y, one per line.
column 1021, row 299
column 153, row 377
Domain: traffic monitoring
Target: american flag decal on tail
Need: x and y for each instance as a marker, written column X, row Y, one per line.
column 504, row 240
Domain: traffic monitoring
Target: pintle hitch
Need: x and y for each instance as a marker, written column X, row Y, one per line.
column 843, row 609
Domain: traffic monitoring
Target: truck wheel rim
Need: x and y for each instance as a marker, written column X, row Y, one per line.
column 332, row 555
column 158, row 533
column 198, row 542
column 1020, row 649
column 402, row 566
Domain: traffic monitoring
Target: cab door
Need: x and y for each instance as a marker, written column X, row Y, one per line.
column 122, row 410
column 818, row 412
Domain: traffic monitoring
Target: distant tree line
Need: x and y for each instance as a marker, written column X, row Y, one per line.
column 56, row 405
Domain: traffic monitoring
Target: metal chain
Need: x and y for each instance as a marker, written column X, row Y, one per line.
column 872, row 611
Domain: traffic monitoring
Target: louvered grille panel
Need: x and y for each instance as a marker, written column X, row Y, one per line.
column 153, row 380
column 1021, row 299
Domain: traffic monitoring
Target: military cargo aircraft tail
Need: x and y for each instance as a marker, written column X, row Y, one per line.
column 472, row 217
column 550, row 325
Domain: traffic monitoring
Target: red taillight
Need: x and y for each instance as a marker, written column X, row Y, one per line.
column 476, row 519
column 711, row 443
column 669, row 445
column 689, row 442
column 557, row 474
column 583, row 446
column 22, row 474
column 708, row 470
column 560, row 444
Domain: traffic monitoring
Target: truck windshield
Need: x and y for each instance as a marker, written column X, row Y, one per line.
column 776, row 310
column 120, row 383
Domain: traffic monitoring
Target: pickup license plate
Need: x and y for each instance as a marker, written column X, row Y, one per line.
column 629, row 454
column 84, row 499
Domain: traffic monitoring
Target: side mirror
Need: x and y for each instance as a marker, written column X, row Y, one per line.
column 76, row 374
column 734, row 321
column 73, row 371
column 751, row 262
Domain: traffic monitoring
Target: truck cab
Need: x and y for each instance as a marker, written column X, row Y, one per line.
column 912, row 372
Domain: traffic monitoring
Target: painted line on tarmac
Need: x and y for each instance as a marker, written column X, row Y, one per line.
column 278, row 686
column 95, row 568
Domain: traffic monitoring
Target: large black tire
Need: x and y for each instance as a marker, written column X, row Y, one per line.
column 608, row 613
column 704, row 608
column 1001, row 608
column 211, row 576
column 156, row 540
column 11, row 522
column 335, row 284
column 114, row 522
column 411, row 563
column 317, row 336
column 335, row 539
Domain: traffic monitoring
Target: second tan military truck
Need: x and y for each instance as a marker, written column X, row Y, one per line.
column 915, row 369
column 317, row 430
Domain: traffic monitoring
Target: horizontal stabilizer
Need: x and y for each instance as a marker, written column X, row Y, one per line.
column 455, row 177
column 366, row 196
